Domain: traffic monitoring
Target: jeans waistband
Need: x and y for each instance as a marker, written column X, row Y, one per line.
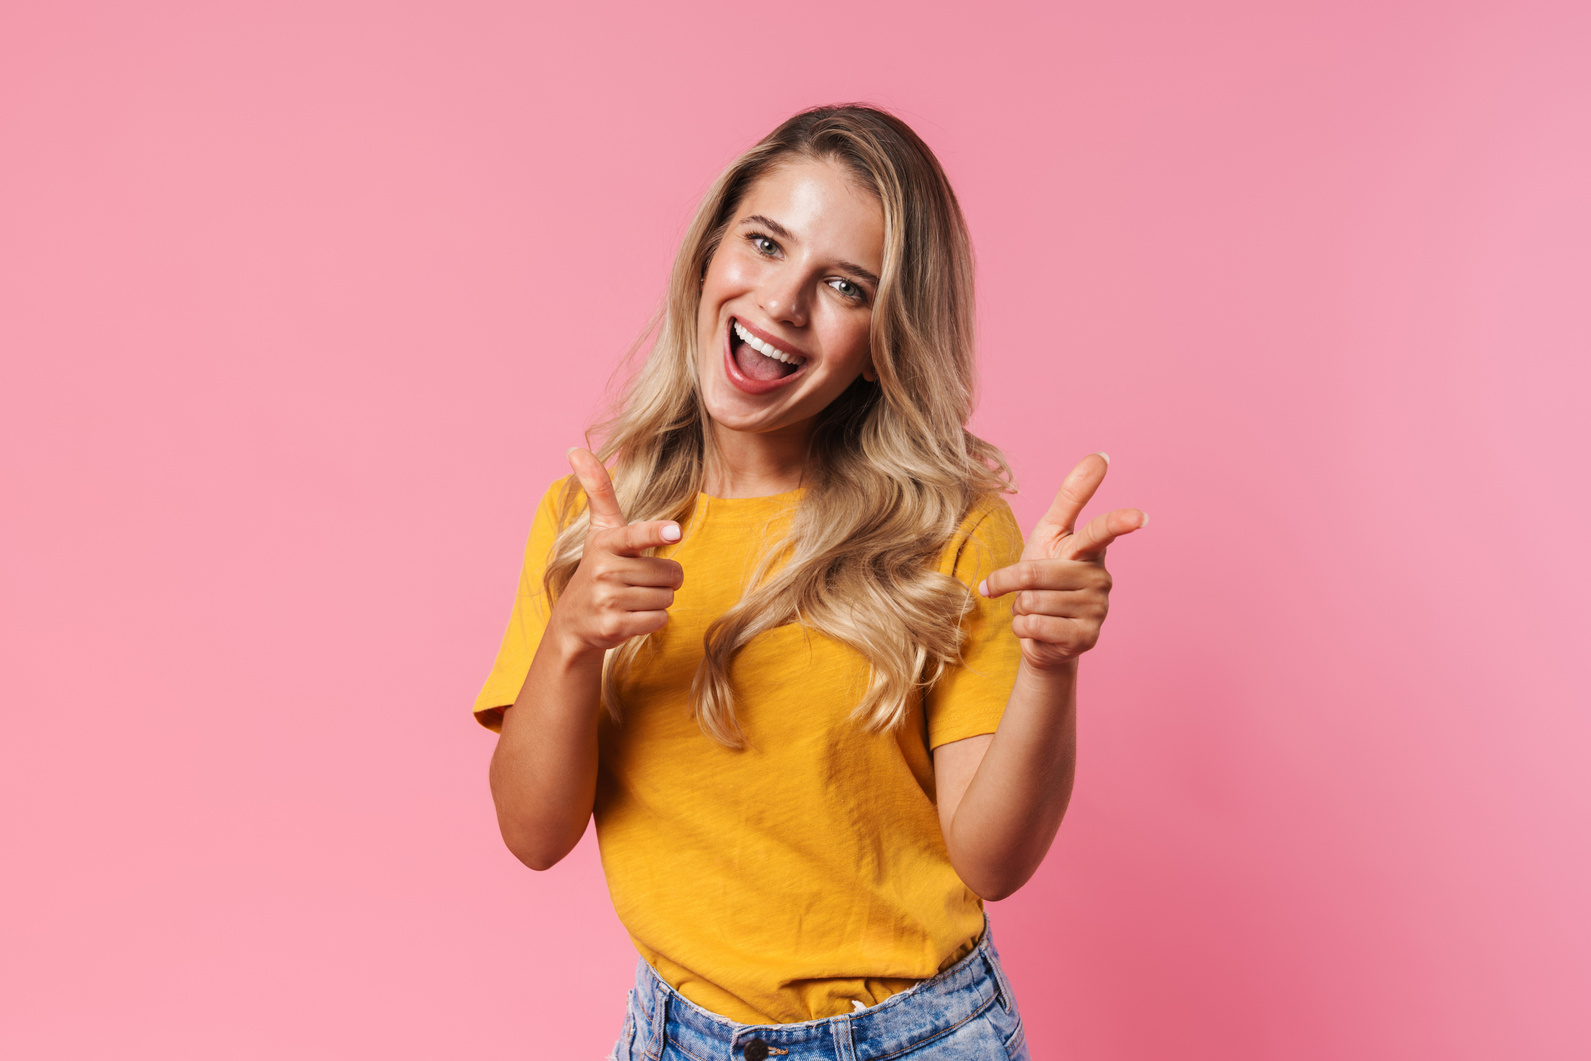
column 902, row 1022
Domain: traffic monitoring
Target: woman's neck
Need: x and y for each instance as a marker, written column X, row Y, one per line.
column 755, row 464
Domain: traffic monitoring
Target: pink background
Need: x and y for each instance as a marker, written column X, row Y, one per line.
column 301, row 304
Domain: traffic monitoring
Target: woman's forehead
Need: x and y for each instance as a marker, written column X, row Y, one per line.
column 818, row 201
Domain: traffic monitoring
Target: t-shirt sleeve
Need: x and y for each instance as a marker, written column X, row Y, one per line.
column 969, row 698
column 526, row 622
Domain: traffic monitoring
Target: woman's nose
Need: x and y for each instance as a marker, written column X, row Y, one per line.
column 784, row 299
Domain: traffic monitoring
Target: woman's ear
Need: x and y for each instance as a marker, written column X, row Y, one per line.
column 869, row 373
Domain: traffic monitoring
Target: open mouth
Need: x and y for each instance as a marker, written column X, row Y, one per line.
column 760, row 361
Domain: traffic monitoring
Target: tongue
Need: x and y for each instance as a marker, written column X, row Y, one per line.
column 757, row 366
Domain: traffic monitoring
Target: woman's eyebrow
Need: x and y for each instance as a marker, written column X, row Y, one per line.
column 768, row 223
column 783, row 233
column 857, row 271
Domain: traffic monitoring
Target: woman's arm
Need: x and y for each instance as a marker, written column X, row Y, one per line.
column 1002, row 796
column 544, row 769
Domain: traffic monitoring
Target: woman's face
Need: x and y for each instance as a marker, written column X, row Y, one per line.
column 794, row 277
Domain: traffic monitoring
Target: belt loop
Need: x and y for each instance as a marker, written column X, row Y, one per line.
column 659, row 1036
column 844, row 1040
column 1002, row 986
column 994, row 978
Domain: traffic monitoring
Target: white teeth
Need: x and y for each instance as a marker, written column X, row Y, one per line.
column 765, row 349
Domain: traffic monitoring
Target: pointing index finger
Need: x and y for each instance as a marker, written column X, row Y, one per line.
column 1076, row 490
column 605, row 510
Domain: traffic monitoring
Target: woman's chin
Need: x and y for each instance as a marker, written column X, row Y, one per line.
column 726, row 416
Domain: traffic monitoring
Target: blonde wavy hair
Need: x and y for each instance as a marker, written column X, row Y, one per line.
column 892, row 469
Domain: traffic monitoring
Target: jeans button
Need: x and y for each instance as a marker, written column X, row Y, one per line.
column 756, row 1050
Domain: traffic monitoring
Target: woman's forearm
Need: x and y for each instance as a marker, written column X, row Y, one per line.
column 544, row 771
column 1001, row 827
column 1009, row 814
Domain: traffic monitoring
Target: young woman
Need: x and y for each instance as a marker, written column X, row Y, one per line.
column 774, row 655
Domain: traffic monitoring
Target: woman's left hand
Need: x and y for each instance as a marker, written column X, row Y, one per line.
column 1061, row 585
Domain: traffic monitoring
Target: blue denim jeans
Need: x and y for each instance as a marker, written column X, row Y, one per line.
column 965, row 1013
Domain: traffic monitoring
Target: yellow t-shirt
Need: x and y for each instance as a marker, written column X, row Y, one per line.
column 778, row 883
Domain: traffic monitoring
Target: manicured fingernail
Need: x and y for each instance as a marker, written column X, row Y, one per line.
column 568, row 451
column 671, row 532
column 1145, row 521
column 983, row 588
column 1102, row 453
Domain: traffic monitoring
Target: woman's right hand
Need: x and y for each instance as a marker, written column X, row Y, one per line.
column 544, row 770
column 617, row 592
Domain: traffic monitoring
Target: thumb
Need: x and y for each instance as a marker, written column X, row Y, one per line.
column 605, row 510
column 637, row 538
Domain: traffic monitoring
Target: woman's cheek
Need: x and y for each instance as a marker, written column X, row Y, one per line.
column 739, row 273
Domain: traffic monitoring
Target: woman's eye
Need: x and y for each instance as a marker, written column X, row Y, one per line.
column 765, row 245
column 846, row 288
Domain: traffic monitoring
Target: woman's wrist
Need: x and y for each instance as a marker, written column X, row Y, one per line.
column 1061, row 669
column 1050, row 689
column 570, row 651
